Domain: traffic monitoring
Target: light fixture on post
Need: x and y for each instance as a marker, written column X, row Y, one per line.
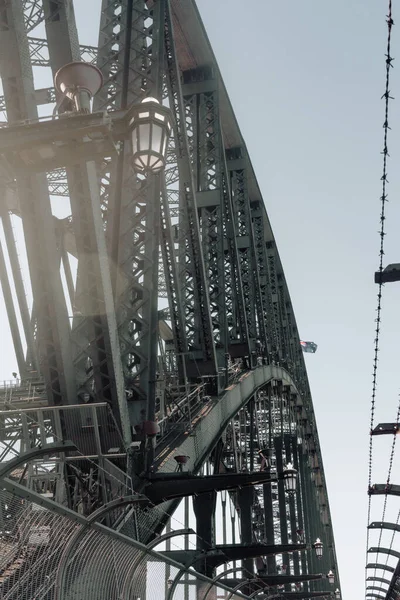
column 150, row 123
column 331, row 577
column 289, row 479
column 319, row 548
column 78, row 81
column 337, row 594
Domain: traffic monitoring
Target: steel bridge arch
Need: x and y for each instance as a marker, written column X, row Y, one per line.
column 210, row 427
column 200, row 441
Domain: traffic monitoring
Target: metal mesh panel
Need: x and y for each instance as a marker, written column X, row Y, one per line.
column 47, row 556
column 32, row 539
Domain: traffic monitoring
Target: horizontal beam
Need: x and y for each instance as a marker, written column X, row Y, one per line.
column 40, row 59
column 384, row 525
column 379, row 579
column 389, row 274
column 225, row 553
column 384, row 551
column 380, row 566
column 167, row 486
column 272, row 580
column 383, row 488
column 386, row 429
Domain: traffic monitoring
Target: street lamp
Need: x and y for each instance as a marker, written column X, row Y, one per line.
column 150, row 124
column 289, row 479
column 331, row 577
column 337, row 594
column 265, row 454
column 78, row 81
column 319, row 548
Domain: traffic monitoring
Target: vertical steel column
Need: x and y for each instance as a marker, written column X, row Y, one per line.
column 288, row 442
column 200, row 92
column 67, row 271
column 12, row 317
column 297, row 450
column 204, row 509
column 274, row 287
column 237, row 330
column 94, row 333
column 267, row 492
column 309, row 531
column 52, row 319
column 247, row 254
column 20, row 291
column 259, row 226
column 278, row 443
column 191, row 267
column 173, row 288
column 245, row 498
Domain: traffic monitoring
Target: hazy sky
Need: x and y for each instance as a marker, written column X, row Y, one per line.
column 306, row 80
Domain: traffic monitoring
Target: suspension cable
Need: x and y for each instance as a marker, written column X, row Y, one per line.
column 383, row 199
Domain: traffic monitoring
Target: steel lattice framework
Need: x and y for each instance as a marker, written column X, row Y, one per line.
column 181, row 315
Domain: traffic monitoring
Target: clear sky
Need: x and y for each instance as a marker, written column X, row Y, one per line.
column 306, row 80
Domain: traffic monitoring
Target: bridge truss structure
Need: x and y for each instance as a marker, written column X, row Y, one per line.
column 160, row 366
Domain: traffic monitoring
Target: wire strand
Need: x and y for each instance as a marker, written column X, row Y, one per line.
column 383, row 199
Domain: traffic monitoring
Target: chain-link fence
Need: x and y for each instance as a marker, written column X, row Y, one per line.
column 45, row 555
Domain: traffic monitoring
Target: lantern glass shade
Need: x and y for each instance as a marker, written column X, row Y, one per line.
column 331, row 577
column 151, row 128
column 289, row 478
column 319, row 548
column 337, row 594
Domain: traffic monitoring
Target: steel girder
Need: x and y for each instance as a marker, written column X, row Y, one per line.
column 96, row 357
column 51, row 312
column 206, row 225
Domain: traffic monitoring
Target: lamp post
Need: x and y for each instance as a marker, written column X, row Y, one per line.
column 337, row 594
column 289, row 479
column 150, row 124
column 265, row 454
column 78, row 81
column 331, row 577
column 319, row 548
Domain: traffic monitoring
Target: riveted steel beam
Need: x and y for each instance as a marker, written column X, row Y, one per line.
column 386, row 429
column 53, row 336
column 384, row 525
column 378, row 489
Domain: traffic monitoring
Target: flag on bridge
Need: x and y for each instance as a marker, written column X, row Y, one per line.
column 309, row 347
